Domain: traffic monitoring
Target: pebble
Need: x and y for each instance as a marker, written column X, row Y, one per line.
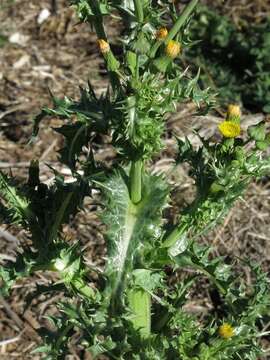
column 43, row 16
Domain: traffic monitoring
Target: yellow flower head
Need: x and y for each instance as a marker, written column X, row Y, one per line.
column 226, row 331
column 229, row 129
column 233, row 112
column 104, row 47
column 161, row 34
column 173, row 48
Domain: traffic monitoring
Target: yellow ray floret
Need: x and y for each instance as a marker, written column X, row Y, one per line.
column 161, row 34
column 229, row 129
column 226, row 331
column 104, row 47
column 173, row 48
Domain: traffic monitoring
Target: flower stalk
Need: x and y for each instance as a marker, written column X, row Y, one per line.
column 98, row 20
column 181, row 20
column 176, row 28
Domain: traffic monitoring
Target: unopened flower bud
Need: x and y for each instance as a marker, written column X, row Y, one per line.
column 173, row 49
column 161, row 34
column 233, row 112
column 104, row 47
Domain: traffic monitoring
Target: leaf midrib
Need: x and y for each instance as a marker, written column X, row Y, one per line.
column 129, row 225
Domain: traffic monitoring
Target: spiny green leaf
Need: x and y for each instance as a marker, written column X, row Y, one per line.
column 128, row 225
column 17, row 203
column 91, row 111
column 76, row 136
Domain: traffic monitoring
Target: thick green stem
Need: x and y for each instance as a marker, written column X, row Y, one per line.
column 177, row 26
column 140, row 305
column 136, row 181
column 139, row 10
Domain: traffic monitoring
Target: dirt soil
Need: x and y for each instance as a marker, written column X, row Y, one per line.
column 59, row 55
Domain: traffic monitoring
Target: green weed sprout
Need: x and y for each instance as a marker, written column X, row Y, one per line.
column 129, row 309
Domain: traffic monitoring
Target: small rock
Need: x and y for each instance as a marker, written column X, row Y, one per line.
column 24, row 60
column 18, row 38
column 43, row 16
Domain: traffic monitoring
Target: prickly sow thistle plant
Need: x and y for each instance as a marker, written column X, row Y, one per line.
column 129, row 310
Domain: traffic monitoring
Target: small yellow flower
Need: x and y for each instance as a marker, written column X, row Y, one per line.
column 104, row 47
column 173, row 48
column 161, row 34
column 233, row 112
column 226, row 331
column 229, row 129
